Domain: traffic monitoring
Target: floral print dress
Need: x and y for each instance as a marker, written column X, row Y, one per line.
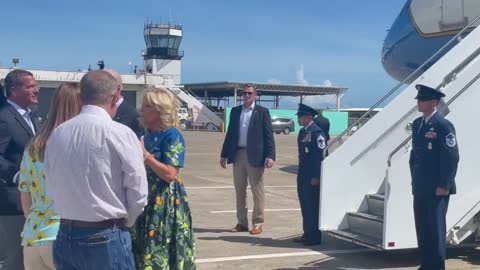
column 163, row 236
column 42, row 223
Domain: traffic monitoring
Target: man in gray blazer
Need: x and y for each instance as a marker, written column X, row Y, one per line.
column 17, row 127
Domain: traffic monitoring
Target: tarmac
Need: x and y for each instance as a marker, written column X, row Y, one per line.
column 212, row 200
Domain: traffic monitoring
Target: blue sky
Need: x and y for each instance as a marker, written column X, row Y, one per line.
column 304, row 41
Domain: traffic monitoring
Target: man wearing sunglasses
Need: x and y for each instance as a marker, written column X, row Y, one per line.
column 250, row 146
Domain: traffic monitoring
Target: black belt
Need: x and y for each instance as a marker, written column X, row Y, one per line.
column 109, row 223
column 241, row 147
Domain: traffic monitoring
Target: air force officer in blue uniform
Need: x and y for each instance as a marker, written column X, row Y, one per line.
column 311, row 143
column 433, row 165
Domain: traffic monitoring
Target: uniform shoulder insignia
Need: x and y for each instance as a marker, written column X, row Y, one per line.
column 450, row 140
column 321, row 142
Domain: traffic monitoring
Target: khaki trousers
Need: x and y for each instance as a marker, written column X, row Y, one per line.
column 244, row 174
column 38, row 258
column 11, row 256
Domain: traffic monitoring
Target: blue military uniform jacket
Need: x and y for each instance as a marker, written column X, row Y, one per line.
column 434, row 156
column 311, row 143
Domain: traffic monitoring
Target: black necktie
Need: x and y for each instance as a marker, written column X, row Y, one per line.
column 422, row 125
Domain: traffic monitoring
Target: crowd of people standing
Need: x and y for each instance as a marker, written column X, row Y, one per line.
column 92, row 187
column 82, row 191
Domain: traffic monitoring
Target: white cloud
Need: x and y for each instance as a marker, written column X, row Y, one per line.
column 274, row 81
column 327, row 83
column 301, row 76
column 317, row 102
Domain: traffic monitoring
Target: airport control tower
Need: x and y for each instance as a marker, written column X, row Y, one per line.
column 162, row 56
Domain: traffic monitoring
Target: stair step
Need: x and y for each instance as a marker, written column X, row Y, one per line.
column 376, row 204
column 367, row 216
column 377, row 196
column 359, row 239
column 366, row 224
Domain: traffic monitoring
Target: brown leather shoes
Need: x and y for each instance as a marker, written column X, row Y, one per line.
column 239, row 228
column 257, row 229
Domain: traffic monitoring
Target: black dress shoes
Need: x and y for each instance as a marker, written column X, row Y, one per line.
column 300, row 239
column 312, row 243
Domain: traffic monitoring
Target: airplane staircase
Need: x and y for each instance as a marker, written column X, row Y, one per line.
column 203, row 117
column 365, row 228
column 366, row 185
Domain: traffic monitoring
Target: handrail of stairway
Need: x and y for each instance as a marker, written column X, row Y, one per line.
column 465, row 215
column 394, row 89
column 191, row 93
column 188, row 91
column 440, row 110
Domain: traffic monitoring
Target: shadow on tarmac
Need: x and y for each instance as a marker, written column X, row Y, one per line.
column 293, row 169
column 368, row 260
column 388, row 260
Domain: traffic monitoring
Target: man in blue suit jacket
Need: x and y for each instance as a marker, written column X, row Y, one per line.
column 250, row 146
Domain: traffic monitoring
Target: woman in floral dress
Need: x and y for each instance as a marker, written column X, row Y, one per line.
column 42, row 222
column 163, row 234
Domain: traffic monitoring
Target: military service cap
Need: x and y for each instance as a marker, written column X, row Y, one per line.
column 427, row 93
column 306, row 110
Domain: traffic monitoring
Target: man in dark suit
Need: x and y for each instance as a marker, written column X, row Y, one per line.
column 433, row 166
column 3, row 99
column 250, row 146
column 323, row 123
column 16, row 128
column 126, row 113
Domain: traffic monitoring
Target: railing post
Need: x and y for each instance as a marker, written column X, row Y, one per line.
column 235, row 97
column 338, row 102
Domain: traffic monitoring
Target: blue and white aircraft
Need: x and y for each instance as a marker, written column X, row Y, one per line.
column 422, row 28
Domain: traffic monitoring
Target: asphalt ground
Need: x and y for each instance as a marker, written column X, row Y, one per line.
column 212, row 199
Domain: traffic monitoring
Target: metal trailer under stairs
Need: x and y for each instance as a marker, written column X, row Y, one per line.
column 366, row 185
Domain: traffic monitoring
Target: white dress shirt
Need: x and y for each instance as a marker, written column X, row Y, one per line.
column 94, row 169
column 119, row 102
column 426, row 119
column 24, row 113
column 244, row 124
column 309, row 124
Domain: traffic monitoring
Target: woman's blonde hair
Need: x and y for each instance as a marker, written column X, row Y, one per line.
column 165, row 104
column 65, row 105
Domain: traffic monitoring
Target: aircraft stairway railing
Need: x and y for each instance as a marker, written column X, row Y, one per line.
column 448, row 78
column 444, row 110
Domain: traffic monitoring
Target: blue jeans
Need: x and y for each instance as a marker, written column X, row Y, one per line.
column 93, row 248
